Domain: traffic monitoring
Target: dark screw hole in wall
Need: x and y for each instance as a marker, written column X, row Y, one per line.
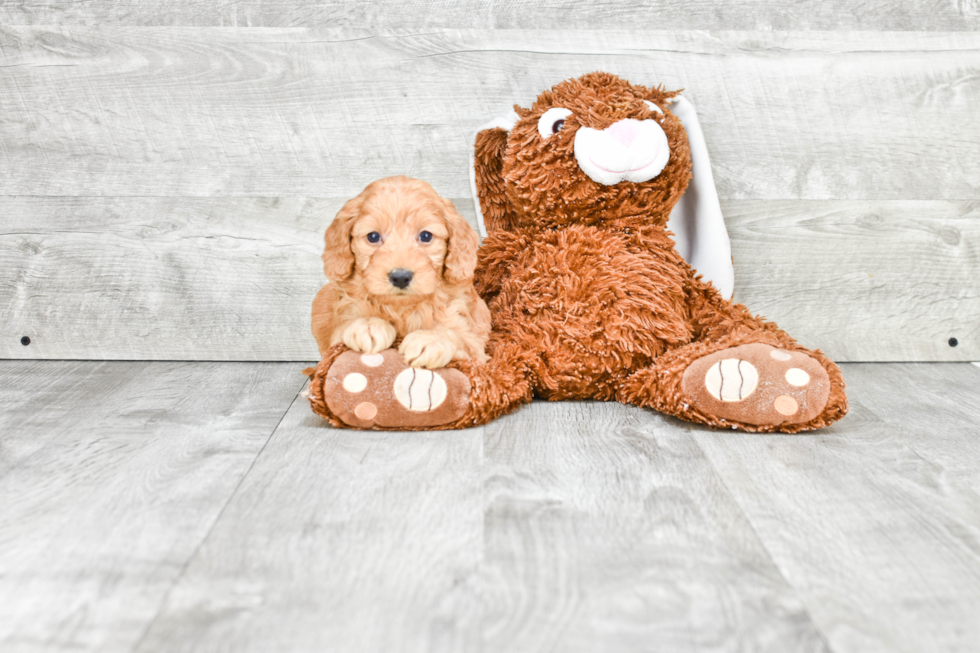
column 953, row 342
column 25, row 341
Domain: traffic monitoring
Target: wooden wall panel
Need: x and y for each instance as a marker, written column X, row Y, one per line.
column 161, row 278
column 232, row 279
column 554, row 14
column 864, row 281
column 163, row 190
column 307, row 112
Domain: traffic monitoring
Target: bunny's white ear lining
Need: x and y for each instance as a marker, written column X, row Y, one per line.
column 696, row 221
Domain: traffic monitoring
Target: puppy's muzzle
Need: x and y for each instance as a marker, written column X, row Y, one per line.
column 400, row 278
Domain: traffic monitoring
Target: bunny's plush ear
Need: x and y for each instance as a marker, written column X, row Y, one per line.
column 696, row 221
column 486, row 172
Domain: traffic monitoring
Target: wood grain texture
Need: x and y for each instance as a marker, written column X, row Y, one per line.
column 607, row 530
column 876, row 520
column 111, row 475
column 914, row 15
column 161, row 278
column 278, row 112
column 233, row 278
column 940, row 431
column 340, row 541
column 863, row 281
column 147, row 508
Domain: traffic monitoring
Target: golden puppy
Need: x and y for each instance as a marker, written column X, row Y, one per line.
column 400, row 262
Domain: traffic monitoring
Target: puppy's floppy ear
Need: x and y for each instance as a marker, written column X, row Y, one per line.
column 338, row 258
column 461, row 256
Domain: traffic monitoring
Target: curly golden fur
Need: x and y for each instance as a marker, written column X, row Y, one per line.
column 438, row 316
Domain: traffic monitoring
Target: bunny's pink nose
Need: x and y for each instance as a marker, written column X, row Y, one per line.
column 624, row 131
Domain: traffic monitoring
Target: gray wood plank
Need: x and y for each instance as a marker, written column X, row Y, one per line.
column 912, row 15
column 111, row 475
column 339, row 541
column 876, row 520
column 161, row 278
column 863, row 281
column 607, row 530
column 587, row 529
column 566, row 526
column 233, row 278
column 944, row 428
column 294, row 112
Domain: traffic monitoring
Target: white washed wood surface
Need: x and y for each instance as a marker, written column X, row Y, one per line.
column 588, row 527
column 321, row 112
column 606, row 529
column 914, row 15
column 163, row 190
column 146, row 508
column 340, row 541
column 161, row 278
column 863, row 281
column 111, row 477
column 944, row 429
column 233, row 278
column 875, row 521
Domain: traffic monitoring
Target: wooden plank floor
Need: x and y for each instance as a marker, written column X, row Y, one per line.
column 203, row 507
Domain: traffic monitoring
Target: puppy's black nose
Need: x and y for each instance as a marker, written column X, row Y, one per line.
column 400, row 278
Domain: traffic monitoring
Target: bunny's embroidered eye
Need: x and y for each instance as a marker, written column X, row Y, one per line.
column 425, row 237
column 653, row 107
column 552, row 121
column 374, row 237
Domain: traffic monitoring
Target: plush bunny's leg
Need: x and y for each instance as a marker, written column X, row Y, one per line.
column 756, row 380
column 379, row 391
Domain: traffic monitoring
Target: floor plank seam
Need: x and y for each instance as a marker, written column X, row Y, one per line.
column 217, row 519
column 762, row 544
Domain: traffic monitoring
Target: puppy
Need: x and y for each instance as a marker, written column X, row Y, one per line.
column 400, row 261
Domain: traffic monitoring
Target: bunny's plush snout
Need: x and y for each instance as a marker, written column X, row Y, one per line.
column 628, row 150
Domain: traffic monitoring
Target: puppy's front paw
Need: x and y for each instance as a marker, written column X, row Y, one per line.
column 369, row 335
column 428, row 349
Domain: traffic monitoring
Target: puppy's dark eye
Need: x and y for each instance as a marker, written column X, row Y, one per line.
column 425, row 237
column 374, row 237
column 555, row 128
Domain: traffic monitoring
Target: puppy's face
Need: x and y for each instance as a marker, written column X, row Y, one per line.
column 401, row 239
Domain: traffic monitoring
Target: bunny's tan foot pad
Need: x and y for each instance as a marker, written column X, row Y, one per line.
column 380, row 390
column 757, row 384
